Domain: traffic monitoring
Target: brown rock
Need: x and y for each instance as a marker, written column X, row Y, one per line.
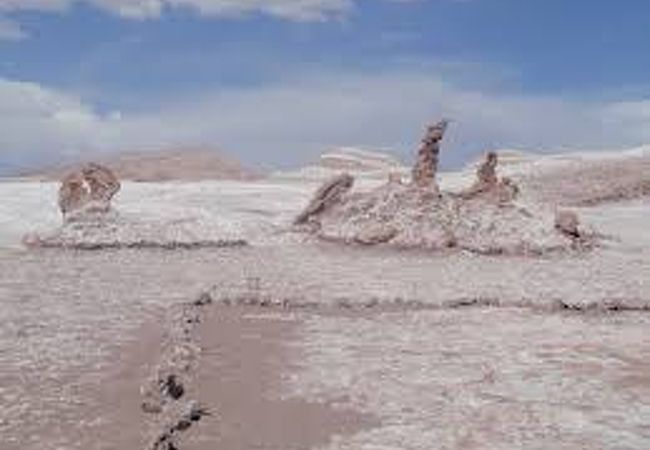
column 92, row 184
column 486, row 176
column 489, row 185
column 487, row 172
column 426, row 165
column 102, row 182
column 73, row 193
column 328, row 194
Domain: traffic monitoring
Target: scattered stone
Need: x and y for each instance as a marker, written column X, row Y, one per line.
column 167, row 439
column 151, row 406
column 568, row 223
column 193, row 415
column 172, row 387
column 204, row 299
column 376, row 233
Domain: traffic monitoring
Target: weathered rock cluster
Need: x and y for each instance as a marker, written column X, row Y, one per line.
column 91, row 223
column 484, row 218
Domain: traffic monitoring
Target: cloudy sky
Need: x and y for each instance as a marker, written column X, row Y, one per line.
column 275, row 82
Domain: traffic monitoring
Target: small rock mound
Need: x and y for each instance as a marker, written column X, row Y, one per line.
column 90, row 222
column 483, row 219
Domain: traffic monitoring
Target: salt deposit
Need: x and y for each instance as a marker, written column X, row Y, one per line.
column 454, row 347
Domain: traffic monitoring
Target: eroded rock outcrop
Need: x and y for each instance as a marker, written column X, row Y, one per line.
column 486, row 175
column 90, row 223
column 73, row 193
column 483, row 219
column 91, row 189
column 330, row 193
column 489, row 186
column 426, row 165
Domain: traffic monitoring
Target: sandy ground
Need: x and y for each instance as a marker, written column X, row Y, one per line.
column 243, row 364
column 244, row 361
column 495, row 378
column 467, row 376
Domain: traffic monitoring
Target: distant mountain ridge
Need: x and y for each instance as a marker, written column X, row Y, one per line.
column 169, row 165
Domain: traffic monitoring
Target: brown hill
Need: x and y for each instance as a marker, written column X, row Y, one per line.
column 181, row 165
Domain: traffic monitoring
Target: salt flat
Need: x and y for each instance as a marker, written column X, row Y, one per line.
column 461, row 350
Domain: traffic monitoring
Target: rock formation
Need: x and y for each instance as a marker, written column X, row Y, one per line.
column 89, row 222
column 89, row 189
column 487, row 174
column 488, row 184
column 73, row 193
column 484, row 219
column 426, row 165
column 328, row 194
column 102, row 182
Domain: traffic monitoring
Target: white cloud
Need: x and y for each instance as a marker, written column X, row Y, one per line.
column 297, row 10
column 294, row 10
column 32, row 5
column 40, row 124
column 294, row 121
column 301, row 10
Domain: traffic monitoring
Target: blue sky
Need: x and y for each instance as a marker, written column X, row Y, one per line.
column 275, row 82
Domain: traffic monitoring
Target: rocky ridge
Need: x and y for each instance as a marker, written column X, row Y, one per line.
column 485, row 218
